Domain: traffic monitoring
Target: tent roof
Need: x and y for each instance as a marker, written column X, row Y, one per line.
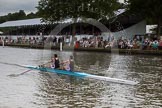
column 28, row 22
column 35, row 21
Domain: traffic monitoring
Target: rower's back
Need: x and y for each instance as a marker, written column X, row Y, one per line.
column 57, row 62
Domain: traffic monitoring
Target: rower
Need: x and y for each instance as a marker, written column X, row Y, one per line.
column 53, row 63
column 69, row 64
column 56, row 62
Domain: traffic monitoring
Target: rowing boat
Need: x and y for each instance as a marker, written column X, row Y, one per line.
column 82, row 75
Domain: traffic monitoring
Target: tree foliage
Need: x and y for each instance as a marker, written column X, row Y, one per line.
column 149, row 9
column 56, row 10
column 17, row 16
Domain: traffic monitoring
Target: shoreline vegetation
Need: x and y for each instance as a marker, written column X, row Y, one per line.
column 103, row 50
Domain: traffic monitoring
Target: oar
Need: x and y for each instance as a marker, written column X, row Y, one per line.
column 32, row 69
column 25, row 72
column 16, row 75
column 44, row 64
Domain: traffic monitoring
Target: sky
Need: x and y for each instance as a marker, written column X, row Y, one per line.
column 11, row 6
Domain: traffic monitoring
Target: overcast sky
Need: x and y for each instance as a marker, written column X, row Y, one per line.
column 10, row 6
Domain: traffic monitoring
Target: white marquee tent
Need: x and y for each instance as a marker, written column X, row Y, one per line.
column 1, row 32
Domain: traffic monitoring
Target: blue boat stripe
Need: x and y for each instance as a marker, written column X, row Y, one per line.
column 82, row 75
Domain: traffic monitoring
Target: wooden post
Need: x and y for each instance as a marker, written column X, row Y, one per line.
column 60, row 46
column 3, row 43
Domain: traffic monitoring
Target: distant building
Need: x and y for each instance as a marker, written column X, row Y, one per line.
column 124, row 25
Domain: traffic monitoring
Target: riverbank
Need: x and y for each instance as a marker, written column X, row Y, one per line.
column 107, row 50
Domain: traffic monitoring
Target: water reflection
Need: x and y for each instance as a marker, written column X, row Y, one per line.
column 67, row 91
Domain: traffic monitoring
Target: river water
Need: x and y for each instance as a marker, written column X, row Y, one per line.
column 37, row 89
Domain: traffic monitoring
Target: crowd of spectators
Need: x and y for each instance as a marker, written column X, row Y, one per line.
column 86, row 42
column 122, row 43
column 31, row 40
column 135, row 43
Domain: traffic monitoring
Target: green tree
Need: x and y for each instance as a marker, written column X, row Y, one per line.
column 56, row 10
column 17, row 16
column 149, row 9
column 3, row 19
column 31, row 15
column 21, row 14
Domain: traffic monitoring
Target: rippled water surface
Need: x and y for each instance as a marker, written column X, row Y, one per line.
column 36, row 89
